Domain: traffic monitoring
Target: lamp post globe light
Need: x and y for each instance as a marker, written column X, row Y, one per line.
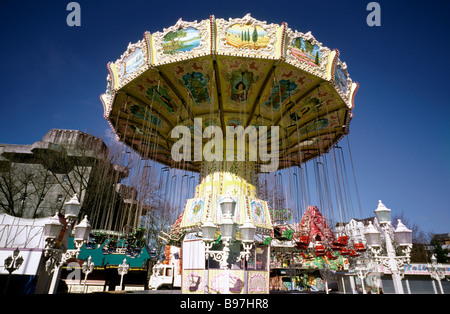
column 72, row 208
column 403, row 237
column 209, row 231
column 81, row 232
column 56, row 235
column 52, row 229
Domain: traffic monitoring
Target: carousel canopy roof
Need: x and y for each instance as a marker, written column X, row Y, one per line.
column 235, row 72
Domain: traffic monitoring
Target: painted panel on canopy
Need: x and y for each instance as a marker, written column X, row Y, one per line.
column 305, row 52
column 259, row 213
column 323, row 124
column 241, row 80
column 341, row 77
column 158, row 95
column 141, row 113
column 318, row 134
column 288, row 84
column 182, row 41
column 194, row 79
column 248, row 36
column 318, row 102
column 195, row 212
column 131, row 64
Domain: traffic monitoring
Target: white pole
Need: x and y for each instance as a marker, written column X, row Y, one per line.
column 84, row 285
column 392, row 264
column 55, row 278
column 352, row 284
column 407, row 286
column 434, row 286
column 121, row 281
column 440, row 286
column 343, row 284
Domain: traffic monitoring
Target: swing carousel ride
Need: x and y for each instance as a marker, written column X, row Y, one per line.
column 241, row 72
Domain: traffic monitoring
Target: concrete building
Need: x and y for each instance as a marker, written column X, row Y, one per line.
column 37, row 179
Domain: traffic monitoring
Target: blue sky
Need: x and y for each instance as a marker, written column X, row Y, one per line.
column 52, row 75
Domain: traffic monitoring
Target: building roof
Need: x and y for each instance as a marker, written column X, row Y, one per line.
column 365, row 221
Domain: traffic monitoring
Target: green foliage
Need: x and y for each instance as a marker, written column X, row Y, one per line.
column 288, row 233
column 309, row 47
column 171, row 36
column 439, row 251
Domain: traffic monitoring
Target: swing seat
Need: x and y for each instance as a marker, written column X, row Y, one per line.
column 341, row 241
column 319, row 250
column 359, row 247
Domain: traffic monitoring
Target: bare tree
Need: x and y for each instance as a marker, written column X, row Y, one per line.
column 22, row 189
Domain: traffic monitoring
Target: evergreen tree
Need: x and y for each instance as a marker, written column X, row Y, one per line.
column 255, row 36
column 439, row 251
column 317, row 61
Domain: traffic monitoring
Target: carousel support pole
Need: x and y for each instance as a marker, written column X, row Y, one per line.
column 352, row 284
column 407, row 286
column 434, row 287
column 343, row 284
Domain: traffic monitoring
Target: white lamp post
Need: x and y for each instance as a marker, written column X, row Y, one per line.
column 87, row 268
column 436, row 272
column 56, row 234
column 402, row 235
column 228, row 229
column 122, row 269
column 362, row 269
column 12, row 263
